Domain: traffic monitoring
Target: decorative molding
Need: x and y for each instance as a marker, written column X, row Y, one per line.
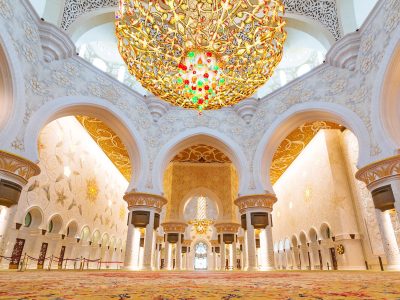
column 75, row 8
column 246, row 109
column 187, row 243
column 201, row 154
column 214, row 243
column 227, row 227
column 160, row 239
column 56, row 44
column 379, row 170
column 157, row 107
column 140, row 200
column 265, row 201
column 344, row 53
column 325, row 12
column 172, row 227
column 18, row 166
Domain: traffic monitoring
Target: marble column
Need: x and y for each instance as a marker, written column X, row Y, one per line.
column 244, row 251
column 262, row 205
column 174, row 228
column 382, row 179
column 148, row 244
column 15, row 172
column 128, row 262
column 223, row 254
column 234, row 258
column 251, row 245
column 168, row 255
column 270, row 246
column 389, row 241
column 142, row 203
column 229, row 230
column 179, row 253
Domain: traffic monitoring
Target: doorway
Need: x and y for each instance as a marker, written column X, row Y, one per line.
column 200, row 256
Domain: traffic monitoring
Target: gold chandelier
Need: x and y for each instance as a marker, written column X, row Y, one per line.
column 201, row 222
column 201, row 54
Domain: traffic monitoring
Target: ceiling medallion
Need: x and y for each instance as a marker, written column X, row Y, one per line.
column 201, row 54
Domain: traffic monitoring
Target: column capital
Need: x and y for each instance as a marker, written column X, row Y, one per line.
column 187, row 243
column 159, row 239
column 17, row 167
column 137, row 200
column 264, row 201
column 227, row 227
column 174, row 227
column 379, row 170
column 214, row 243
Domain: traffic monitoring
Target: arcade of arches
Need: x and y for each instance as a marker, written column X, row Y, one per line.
column 97, row 173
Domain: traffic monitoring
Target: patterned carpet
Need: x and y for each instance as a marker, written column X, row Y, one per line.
column 121, row 285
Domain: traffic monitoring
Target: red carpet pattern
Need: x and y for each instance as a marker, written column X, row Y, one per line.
column 123, row 285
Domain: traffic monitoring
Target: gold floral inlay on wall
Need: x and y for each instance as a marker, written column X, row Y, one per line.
column 293, row 144
column 109, row 142
column 202, row 154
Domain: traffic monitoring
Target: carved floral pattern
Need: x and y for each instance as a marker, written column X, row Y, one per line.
column 255, row 201
column 324, row 12
column 174, row 227
column 202, row 154
column 227, row 227
column 135, row 199
column 379, row 170
column 18, row 166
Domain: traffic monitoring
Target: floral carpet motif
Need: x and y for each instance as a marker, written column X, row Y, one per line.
column 121, row 285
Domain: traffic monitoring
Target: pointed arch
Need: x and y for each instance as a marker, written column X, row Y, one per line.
column 296, row 116
column 201, row 135
column 101, row 109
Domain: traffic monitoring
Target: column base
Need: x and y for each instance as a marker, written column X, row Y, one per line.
column 352, row 268
column 146, row 268
column 266, row 269
column 131, row 268
column 393, row 267
column 252, row 269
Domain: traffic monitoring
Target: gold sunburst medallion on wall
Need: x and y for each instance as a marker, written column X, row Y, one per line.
column 92, row 190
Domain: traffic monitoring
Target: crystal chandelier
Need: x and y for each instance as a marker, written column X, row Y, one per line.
column 201, row 223
column 201, row 54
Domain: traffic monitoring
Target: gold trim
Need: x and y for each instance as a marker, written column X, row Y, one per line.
column 290, row 148
column 18, row 166
column 135, row 199
column 201, row 154
column 227, row 227
column 109, row 142
column 170, row 227
column 255, row 201
column 187, row 243
column 379, row 170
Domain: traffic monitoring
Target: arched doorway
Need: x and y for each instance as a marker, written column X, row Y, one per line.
column 200, row 256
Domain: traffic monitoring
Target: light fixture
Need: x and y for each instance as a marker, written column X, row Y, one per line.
column 201, row 223
column 201, row 54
